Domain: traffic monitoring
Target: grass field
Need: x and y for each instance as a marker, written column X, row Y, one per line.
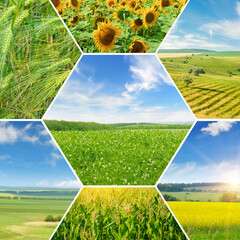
column 36, row 56
column 119, row 213
column 197, row 196
column 121, row 157
column 202, row 220
column 24, row 219
column 215, row 94
column 23, row 211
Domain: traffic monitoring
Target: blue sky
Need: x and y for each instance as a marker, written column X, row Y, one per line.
column 211, row 153
column 29, row 157
column 207, row 24
column 118, row 88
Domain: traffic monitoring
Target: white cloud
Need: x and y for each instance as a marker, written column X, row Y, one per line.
column 10, row 134
column 215, row 128
column 43, row 183
column 68, row 184
column 4, row 157
column 53, row 159
column 43, row 132
column 238, row 8
column 192, row 41
column 147, row 74
column 226, row 28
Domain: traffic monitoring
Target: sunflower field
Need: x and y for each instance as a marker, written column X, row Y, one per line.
column 119, row 26
column 36, row 56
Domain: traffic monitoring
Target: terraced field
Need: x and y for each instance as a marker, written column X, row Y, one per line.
column 214, row 94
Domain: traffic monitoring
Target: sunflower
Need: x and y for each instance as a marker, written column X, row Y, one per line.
column 149, row 17
column 137, row 24
column 74, row 4
column 166, row 3
column 59, row 5
column 132, row 4
column 99, row 12
column 106, row 35
column 176, row 5
column 123, row 3
column 75, row 20
column 121, row 13
column 99, row 19
column 138, row 47
column 110, row 3
column 183, row 2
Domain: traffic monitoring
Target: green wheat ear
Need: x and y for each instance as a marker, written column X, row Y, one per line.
column 5, row 81
column 20, row 18
column 7, row 14
column 6, row 40
column 57, row 64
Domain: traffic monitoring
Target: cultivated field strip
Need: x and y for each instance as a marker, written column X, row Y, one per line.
column 215, row 94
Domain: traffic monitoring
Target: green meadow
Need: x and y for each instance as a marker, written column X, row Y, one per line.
column 23, row 216
column 214, row 93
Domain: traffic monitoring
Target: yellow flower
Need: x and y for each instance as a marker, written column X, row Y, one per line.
column 105, row 36
column 99, row 19
column 132, row 4
column 123, row 3
column 75, row 20
column 74, row 4
column 110, row 3
column 137, row 24
column 176, row 5
column 150, row 17
column 166, row 3
column 59, row 5
column 138, row 47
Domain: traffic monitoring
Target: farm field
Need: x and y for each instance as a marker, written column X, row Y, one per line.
column 119, row 157
column 203, row 220
column 119, row 213
column 197, row 196
column 23, row 216
column 215, row 93
column 119, row 26
column 36, row 56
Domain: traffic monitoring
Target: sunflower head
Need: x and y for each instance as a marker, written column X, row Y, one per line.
column 137, row 24
column 123, row 3
column 183, row 2
column 99, row 12
column 98, row 20
column 176, row 5
column 74, row 20
column 166, row 3
column 121, row 13
column 60, row 5
column 110, row 3
column 74, row 4
column 105, row 36
column 138, row 47
column 132, row 4
column 150, row 17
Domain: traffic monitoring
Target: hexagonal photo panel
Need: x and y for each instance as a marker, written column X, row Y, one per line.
column 37, row 185
column 119, row 119
column 119, row 26
column 202, row 183
column 36, row 56
column 119, row 213
column 202, row 55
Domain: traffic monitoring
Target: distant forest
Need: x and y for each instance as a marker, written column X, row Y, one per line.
column 55, row 125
